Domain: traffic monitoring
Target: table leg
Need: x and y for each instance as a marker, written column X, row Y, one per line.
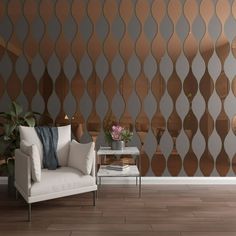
column 140, row 176
column 140, row 186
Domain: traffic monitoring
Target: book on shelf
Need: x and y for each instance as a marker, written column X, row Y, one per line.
column 105, row 148
column 117, row 165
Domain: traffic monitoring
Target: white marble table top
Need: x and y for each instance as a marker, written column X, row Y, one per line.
column 125, row 151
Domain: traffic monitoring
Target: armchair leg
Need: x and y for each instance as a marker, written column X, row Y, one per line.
column 94, row 198
column 29, row 212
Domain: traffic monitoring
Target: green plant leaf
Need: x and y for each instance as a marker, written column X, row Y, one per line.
column 6, row 115
column 108, row 137
column 12, row 119
column 28, row 114
column 30, row 121
column 126, row 135
column 16, row 108
column 12, row 114
column 9, row 128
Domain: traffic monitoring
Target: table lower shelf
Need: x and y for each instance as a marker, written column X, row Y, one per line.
column 131, row 171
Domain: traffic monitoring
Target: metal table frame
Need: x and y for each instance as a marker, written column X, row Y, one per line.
column 133, row 151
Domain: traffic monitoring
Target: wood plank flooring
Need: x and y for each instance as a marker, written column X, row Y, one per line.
column 163, row 210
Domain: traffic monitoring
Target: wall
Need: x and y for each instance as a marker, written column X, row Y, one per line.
column 165, row 69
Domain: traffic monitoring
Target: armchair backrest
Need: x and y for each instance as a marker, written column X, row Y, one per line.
column 64, row 137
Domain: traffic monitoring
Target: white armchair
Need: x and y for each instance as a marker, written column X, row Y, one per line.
column 75, row 175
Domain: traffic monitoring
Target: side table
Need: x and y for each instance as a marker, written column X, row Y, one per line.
column 132, row 171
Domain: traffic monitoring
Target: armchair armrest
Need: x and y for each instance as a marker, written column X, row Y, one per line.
column 22, row 173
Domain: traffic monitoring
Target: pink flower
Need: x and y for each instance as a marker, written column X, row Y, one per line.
column 116, row 132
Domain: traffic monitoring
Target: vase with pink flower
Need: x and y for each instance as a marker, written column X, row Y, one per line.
column 117, row 136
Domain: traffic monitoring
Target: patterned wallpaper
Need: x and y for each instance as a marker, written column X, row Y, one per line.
column 164, row 68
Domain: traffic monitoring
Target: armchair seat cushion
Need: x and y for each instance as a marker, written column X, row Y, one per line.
column 60, row 180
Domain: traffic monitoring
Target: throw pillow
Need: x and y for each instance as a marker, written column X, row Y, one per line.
column 81, row 156
column 33, row 152
column 63, row 145
column 29, row 135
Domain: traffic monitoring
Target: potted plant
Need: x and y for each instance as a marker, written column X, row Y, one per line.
column 10, row 136
column 117, row 136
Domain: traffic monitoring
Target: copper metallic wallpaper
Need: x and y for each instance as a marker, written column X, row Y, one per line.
column 164, row 68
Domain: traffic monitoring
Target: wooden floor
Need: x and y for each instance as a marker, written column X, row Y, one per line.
column 162, row 211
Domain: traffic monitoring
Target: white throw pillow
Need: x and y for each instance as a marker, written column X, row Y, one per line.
column 63, row 145
column 29, row 135
column 33, row 152
column 81, row 156
column 64, row 137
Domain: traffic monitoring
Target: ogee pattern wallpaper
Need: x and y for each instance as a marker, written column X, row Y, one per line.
column 164, row 68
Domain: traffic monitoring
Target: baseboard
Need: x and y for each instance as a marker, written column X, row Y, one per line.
column 3, row 180
column 172, row 180
column 163, row 180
